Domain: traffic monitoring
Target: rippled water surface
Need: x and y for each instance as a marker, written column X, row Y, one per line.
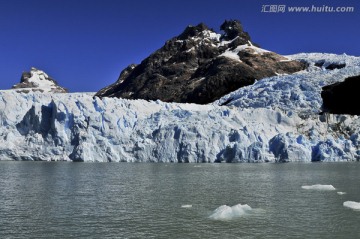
column 129, row 200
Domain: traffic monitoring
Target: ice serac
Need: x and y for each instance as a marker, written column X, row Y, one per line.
column 38, row 81
column 200, row 66
column 276, row 119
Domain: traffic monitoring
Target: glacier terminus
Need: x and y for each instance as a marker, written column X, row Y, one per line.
column 276, row 119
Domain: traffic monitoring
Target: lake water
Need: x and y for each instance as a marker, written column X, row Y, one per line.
column 131, row 200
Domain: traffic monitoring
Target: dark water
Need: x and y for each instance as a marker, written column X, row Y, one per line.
column 128, row 200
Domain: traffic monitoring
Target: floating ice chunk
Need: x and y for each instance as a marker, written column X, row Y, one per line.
column 186, row 206
column 319, row 187
column 227, row 213
column 352, row 205
column 341, row 193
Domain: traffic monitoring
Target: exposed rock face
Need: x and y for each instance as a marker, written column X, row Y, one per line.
column 37, row 80
column 341, row 97
column 200, row 66
column 232, row 30
column 329, row 66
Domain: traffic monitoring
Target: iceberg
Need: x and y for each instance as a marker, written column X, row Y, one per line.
column 227, row 213
column 319, row 187
column 186, row 206
column 352, row 205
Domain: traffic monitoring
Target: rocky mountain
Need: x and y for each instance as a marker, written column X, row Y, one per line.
column 38, row 81
column 276, row 119
column 200, row 66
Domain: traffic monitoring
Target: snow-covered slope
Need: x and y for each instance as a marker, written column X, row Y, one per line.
column 38, row 81
column 276, row 119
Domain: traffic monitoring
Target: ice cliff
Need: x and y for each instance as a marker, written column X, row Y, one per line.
column 275, row 119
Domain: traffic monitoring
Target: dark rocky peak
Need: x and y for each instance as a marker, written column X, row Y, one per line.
column 192, row 31
column 233, row 29
column 200, row 66
column 38, row 81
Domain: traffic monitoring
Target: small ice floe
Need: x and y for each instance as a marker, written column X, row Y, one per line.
column 341, row 193
column 352, row 205
column 186, row 206
column 227, row 213
column 319, row 187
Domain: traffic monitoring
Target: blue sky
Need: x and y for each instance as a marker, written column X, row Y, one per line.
column 84, row 44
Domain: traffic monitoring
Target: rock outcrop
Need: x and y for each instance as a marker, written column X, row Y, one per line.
column 329, row 65
column 200, row 66
column 38, row 81
column 341, row 97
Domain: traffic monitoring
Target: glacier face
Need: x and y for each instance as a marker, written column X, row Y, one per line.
column 275, row 120
column 78, row 127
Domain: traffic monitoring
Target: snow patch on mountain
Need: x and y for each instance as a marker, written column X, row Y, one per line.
column 234, row 53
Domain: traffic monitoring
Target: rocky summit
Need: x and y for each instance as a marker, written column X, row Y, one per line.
column 38, row 81
column 200, row 66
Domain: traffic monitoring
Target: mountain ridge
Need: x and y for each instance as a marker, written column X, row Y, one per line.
column 200, row 66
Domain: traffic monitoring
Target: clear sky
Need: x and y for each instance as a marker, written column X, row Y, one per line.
column 84, row 44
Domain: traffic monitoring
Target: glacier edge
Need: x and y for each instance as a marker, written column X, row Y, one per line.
column 275, row 120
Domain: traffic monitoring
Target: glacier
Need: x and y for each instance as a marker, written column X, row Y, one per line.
column 277, row 119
